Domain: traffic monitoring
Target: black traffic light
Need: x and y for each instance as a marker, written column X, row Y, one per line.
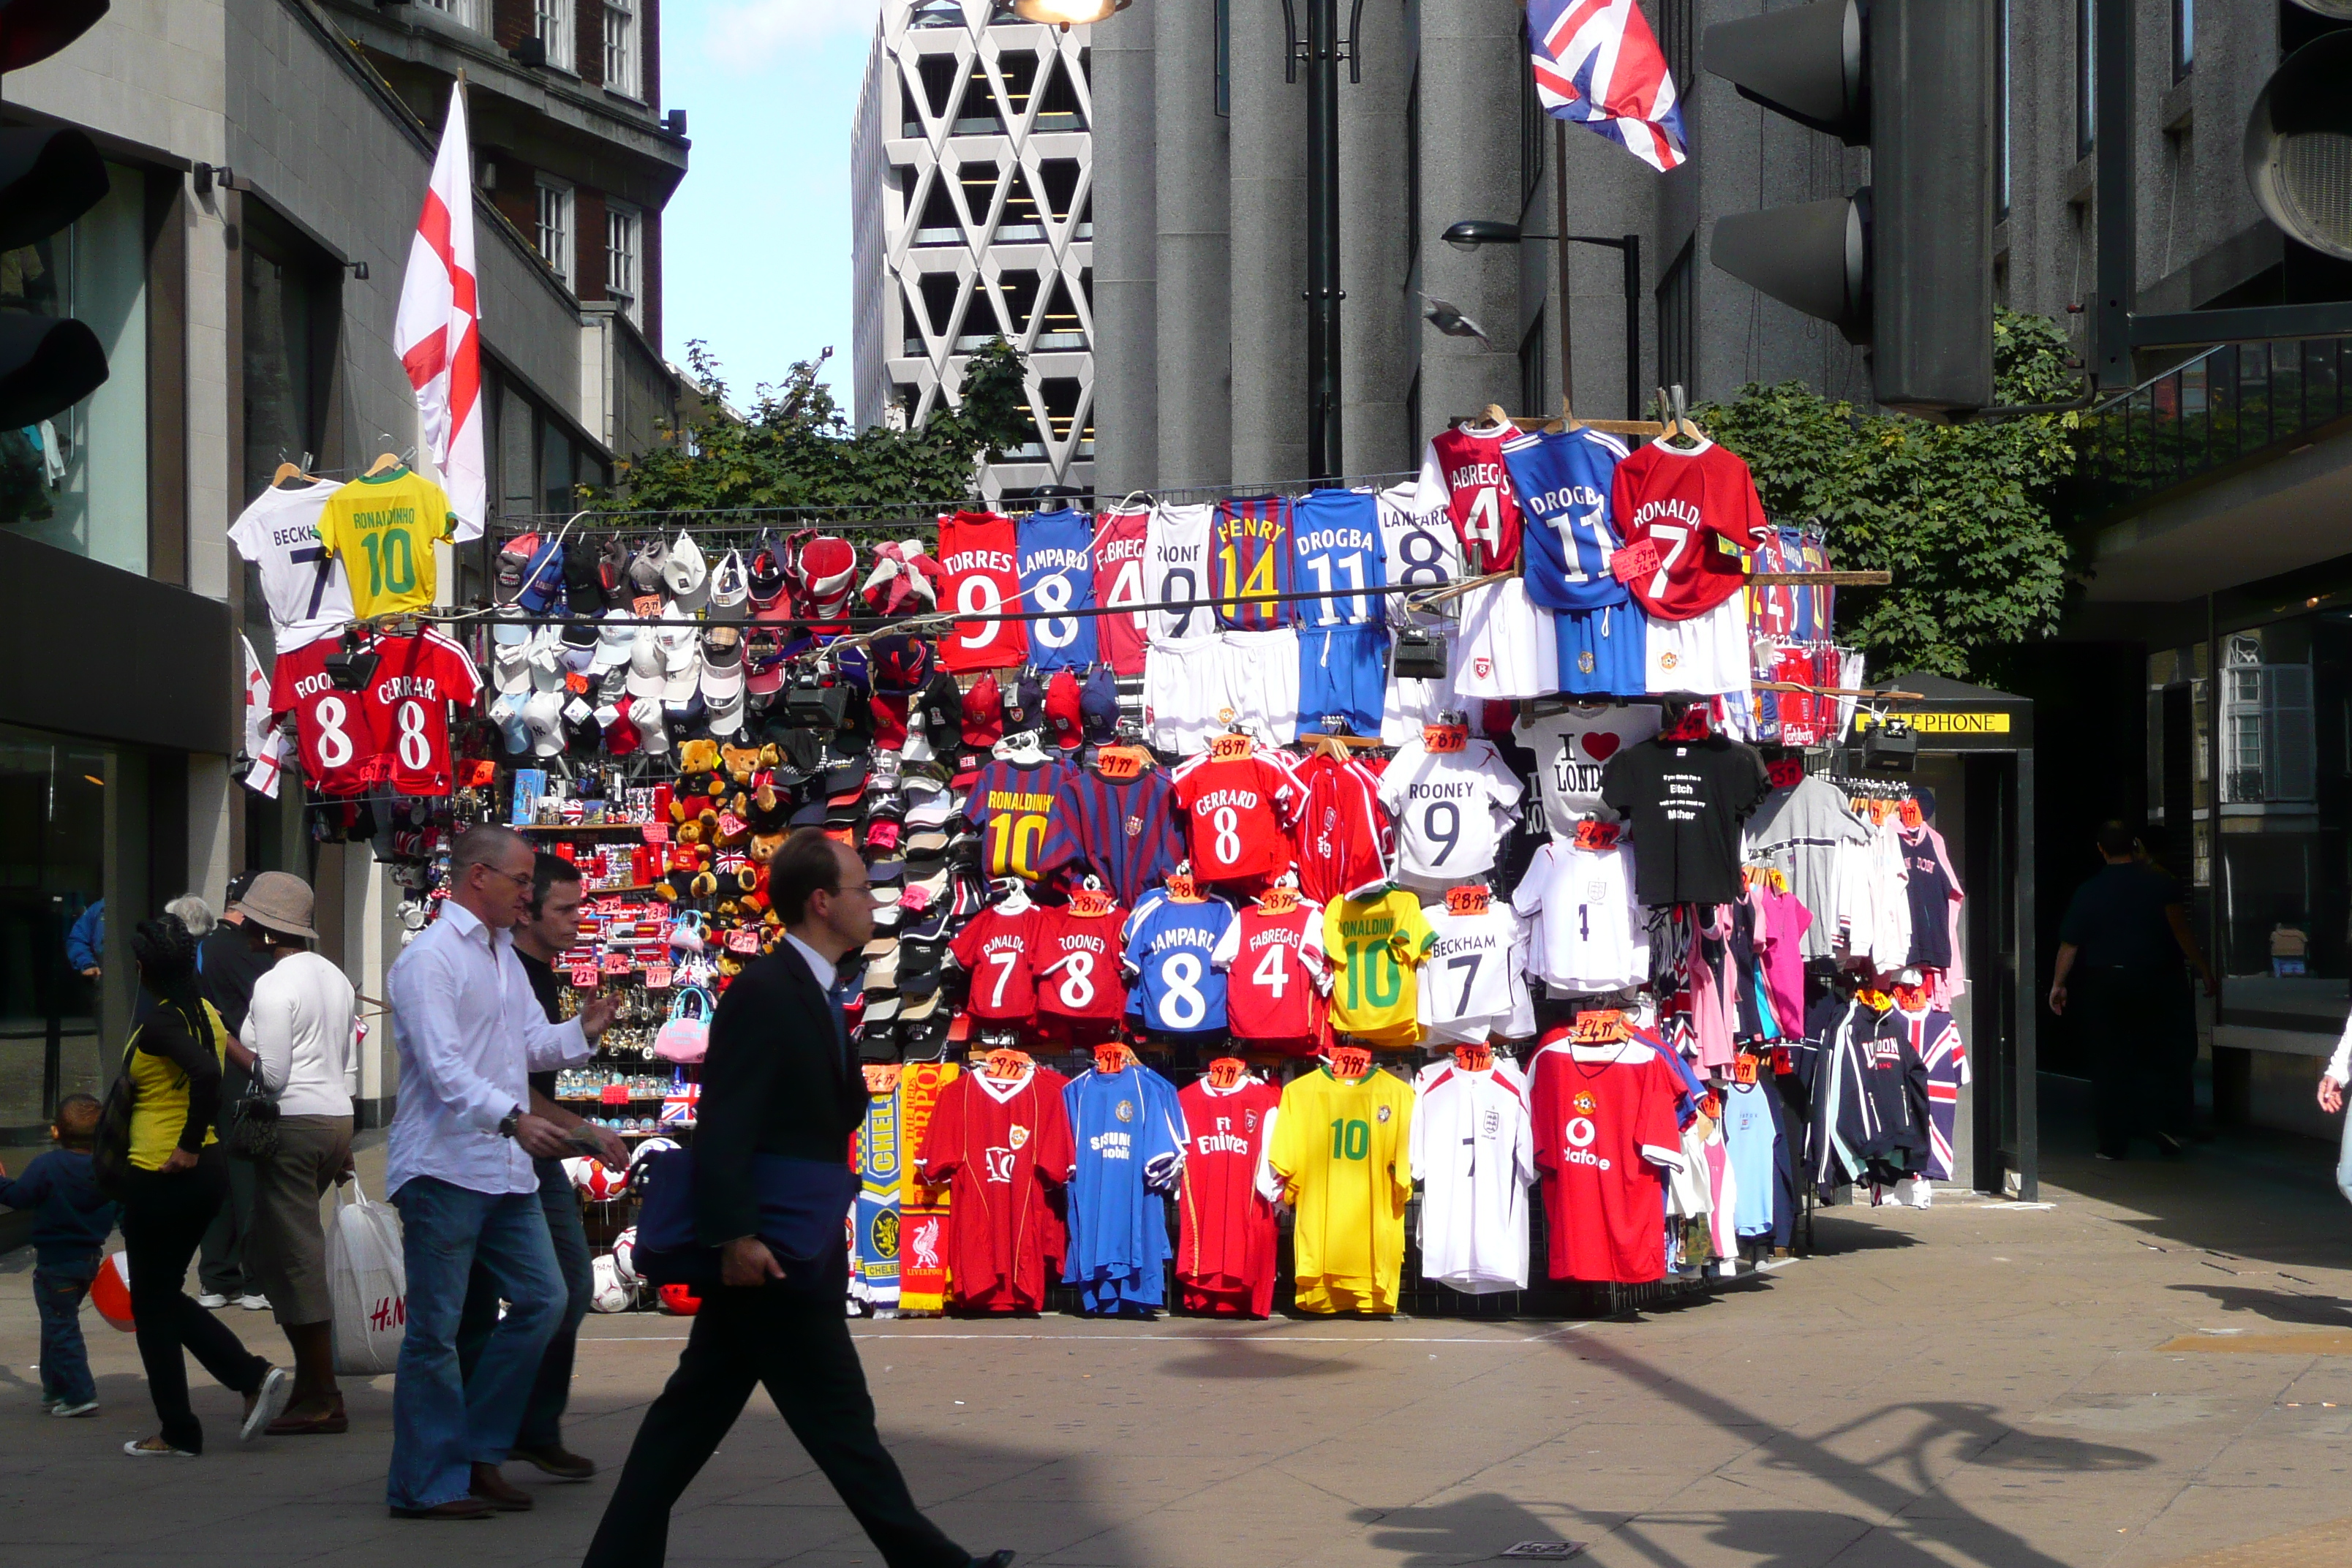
column 47, row 179
column 1902, row 266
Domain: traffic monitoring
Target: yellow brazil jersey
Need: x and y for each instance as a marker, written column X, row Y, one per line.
column 384, row 527
column 1340, row 1150
column 1374, row 946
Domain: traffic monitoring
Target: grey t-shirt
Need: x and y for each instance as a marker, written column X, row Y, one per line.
column 1800, row 830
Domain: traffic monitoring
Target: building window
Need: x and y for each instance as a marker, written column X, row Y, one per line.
column 1532, row 123
column 620, row 251
column 2184, row 38
column 473, row 13
column 1677, row 353
column 621, row 48
column 1412, row 176
column 555, row 228
column 553, row 19
column 2086, row 76
column 1222, row 24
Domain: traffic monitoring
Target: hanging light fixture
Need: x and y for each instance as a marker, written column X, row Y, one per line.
column 1068, row 14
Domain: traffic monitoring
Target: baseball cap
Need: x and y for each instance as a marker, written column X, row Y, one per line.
column 687, row 578
column 583, row 590
column 648, row 669
column 888, row 712
column 1099, row 705
column 580, row 642
column 881, row 834
column 763, row 662
column 514, row 730
column 765, row 579
column 730, row 588
column 511, row 663
column 727, row 712
column 544, row 715
column 899, row 663
column 824, row 566
column 1063, row 716
column 722, row 666
column 682, row 664
column 616, row 641
column 983, row 712
column 645, row 713
column 645, row 567
column 931, row 811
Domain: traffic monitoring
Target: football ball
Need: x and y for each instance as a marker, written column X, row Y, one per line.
column 625, row 1256
column 599, row 1180
column 679, row 1299
column 111, row 1291
column 649, row 1148
column 612, row 1294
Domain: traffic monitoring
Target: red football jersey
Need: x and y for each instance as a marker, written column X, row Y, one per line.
column 998, row 951
column 1273, row 976
column 1463, row 471
column 1076, row 960
column 1225, row 1251
column 1675, row 500
column 416, row 679
column 997, row 1146
column 1249, row 561
column 336, row 734
column 1237, row 815
column 977, row 552
column 1345, row 838
column 1604, row 1128
column 1119, row 580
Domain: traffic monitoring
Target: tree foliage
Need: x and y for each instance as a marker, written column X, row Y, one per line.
column 1960, row 514
column 795, row 447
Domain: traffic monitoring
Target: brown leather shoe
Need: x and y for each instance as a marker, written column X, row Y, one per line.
column 456, row 1508
column 558, row 1461
column 498, row 1492
column 319, row 1424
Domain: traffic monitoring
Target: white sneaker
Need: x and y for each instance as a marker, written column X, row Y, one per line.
column 88, row 1408
column 1923, row 1193
column 212, row 1301
column 254, row 1301
column 268, row 1404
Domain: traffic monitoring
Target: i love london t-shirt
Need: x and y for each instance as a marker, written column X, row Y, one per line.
column 1683, row 802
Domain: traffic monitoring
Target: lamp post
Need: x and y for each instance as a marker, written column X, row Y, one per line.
column 1472, row 232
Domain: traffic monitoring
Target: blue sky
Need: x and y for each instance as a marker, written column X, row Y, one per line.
column 756, row 241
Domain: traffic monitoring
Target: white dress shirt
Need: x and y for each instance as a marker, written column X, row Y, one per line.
column 300, row 1025
column 469, row 1031
column 826, row 972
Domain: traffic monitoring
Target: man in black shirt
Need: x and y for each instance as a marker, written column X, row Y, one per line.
column 233, row 955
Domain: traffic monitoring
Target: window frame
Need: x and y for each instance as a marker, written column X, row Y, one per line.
column 621, row 215
column 629, row 80
column 548, row 191
column 558, row 22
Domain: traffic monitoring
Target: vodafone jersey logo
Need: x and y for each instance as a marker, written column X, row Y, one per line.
column 1581, row 1133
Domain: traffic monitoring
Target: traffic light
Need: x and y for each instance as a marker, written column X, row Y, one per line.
column 47, row 179
column 1902, row 267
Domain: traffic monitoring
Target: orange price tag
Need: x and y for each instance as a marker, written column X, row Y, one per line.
column 1278, row 901
column 1598, row 835
column 576, row 683
column 583, row 977
column 1443, row 738
column 881, row 1077
column 647, row 606
column 729, row 825
column 617, row 963
column 1599, row 1027
column 1636, row 560
column 481, row 772
column 1910, row 812
column 656, row 976
column 1090, row 903
column 1350, row 1061
column 1182, row 888
column 1466, row 900
column 742, row 942
column 1119, row 763
column 1230, row 748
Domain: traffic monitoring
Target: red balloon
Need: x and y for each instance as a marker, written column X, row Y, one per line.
column 680, row 1300
column 111, row 1291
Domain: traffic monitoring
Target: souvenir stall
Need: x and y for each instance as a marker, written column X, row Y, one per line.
column 1421, row 894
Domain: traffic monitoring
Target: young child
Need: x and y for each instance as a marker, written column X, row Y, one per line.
column 68, row 1244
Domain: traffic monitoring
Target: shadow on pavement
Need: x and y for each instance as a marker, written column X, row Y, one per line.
column 1461, row 1529
column 2278, row 1306
column 1239, row 1358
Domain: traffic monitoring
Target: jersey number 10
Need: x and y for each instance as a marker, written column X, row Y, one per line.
column 1350, row 1139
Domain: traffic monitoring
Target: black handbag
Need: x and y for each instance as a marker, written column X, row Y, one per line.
column 110, row 1149
column 253, row 1123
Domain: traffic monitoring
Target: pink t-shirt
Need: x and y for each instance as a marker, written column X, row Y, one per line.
column 1781, row 949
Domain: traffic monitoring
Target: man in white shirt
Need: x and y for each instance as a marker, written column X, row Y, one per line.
column 459, row 1167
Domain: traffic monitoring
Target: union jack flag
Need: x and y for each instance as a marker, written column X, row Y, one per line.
column 1597, row 63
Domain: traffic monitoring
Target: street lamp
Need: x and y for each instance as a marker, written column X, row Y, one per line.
column 1068, row 14
column 1472, row 232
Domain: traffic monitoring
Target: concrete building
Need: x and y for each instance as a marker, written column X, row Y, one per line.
column 259, row 153
column 971, row 178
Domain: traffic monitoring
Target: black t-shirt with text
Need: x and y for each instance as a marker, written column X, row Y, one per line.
column 1683, row 802
column 549, row 989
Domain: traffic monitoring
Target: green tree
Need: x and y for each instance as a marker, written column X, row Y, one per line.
column 795, row 449
column 1962, row 515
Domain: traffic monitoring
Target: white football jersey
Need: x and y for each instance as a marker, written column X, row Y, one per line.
column 1572, row 746
column 1421, row 548
column 1465, row 980
column 1176, row 569
column 1474, row 1151
column 1591, row 936
column 305, row 587
column 1450, row 809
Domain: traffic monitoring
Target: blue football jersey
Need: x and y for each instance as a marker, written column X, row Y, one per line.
column 1127, row 1129
column 1562, row 481
column 1055, row 559
column 1335, row 543
column 1174, row 988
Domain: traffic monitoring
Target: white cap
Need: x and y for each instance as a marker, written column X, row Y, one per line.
column 615, row 639
column 545, row 714
column 511, row 667
column 685, row 676
column 931, row 811
column 645, row 713
column 688, row 580
column 547, row 659
column 726, row 716
column 730, row 588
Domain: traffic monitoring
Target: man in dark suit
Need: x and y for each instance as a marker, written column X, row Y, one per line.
column 780, row 1079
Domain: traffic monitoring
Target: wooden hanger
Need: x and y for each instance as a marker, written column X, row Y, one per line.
column 384, row 463
column 1339, row 746
column 293, row 471
column 1493, row 414
column 1674, row 414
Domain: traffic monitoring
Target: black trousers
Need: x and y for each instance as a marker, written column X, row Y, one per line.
column 2129, row 1023
column 163, row 1218
column 798, row 1344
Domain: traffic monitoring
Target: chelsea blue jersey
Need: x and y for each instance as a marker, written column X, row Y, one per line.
column 1128, row 1129
column 1176, row 989
column 1055, row 557
column 1335, row 541
column 1562, row 481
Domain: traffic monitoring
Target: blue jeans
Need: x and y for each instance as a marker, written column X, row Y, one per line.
column 57, row 1291
column 444, row 1422
column 2344, row 1160
column 543, row 1419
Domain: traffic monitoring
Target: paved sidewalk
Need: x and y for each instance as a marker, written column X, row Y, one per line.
column 2157, row 1369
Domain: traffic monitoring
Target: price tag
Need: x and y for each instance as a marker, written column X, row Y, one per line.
column 881, row 1077
column 1466, row 900
column 617, row 963
column 1786, row 773
column 656, row 976
column 729, row 825
column 1599, row 1027
column 1090, row 903
column 480, row 773
column 1598, row 835
column 1232, row 748
column 1278, row 901
column 1444, row 738
column 646, row 607
column 1636, row 560
column 654, row 832
column 1182, row 888
column 614, row 1094
column 1350, row 1061
column 583, row 977
column 1119, row 763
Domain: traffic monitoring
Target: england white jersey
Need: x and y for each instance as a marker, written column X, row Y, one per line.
column 1450, row 809
column 1421, row 548
column 304, row 586
column 1572, row 746
column 1176, row 569
column 1472, row 1149
column 1465, row 980
column 1591, row 936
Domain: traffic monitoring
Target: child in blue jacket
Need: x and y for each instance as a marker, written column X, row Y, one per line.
column 68, row 1242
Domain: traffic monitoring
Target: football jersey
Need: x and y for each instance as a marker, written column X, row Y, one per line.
column 1237, row 815
column 1570, row 747
column 1418, row 546
column 1124, row 831
column 334, row 733
column 1465, row 980
column 1606, row 1127
column 1472, row 1151
column 1170, row 946
column 1126, row 1136
column 383, row 528
column 1012, row 806
column 1055, row 560
column 997, row 1147
column 1335, row 544
column 407, row 703
column 1227, row 1231
column 1341, row 1152
column 1562, row 481
column 1590, row 935
column 998, row 949
column 1076, row 962
column 1450, row 809
column 305, row 587
column 1250, row 561
column 1272, row 966
column 1343, row 833
column 1176, row 571
column 1120, row 541
column 1463, row 472
column 1683, row 502
column 1374, row 945
column 978, row 552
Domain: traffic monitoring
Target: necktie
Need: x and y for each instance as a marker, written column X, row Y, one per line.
column 838, row 1000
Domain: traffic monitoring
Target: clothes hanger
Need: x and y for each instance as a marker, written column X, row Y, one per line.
column 1014, row 898
column 1113, row 1056
column 1025, row 748
column 1226, row 1071
column 293, row 471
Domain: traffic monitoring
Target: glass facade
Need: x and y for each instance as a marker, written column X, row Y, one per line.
column 52, row 868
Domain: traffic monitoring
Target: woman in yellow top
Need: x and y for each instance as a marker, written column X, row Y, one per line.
column 178, row 1179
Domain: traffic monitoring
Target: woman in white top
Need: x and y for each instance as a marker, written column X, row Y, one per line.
column 300, row 1026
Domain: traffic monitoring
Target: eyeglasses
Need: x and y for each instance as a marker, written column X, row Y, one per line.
column 520, row 878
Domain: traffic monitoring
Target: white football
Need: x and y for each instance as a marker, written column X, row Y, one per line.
column 649, row 1148
column 625, row 1256
column 601, row 1182
column 612, row 1293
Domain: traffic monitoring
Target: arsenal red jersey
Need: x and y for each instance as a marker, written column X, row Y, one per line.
column 977, row 551
column 1237, row 815
column 1345, row 838
column 1076, row 960
column 1249, row 561
column 1119, row 580
column 334, row 730
column 1274, row 977
column 998, row 1146
column 416, row 679
column 1463, row 471
column 1683, row 502
column 998, row 951
column 1605, row 1132
column 1225, row 1251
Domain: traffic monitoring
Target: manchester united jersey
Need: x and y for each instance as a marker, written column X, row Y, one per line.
column 1250, row 561
column 978, row 552
column 1237, row 815
column 1339, row 1150
column 408, row 702
column 1012, row 806
column 1463, row 471
column 1605, row 1131
column 998, row 951
column 998, row 1146
column 1275, row 977
column 1225, row 1244
column 1682, row 502
column 1374, row 945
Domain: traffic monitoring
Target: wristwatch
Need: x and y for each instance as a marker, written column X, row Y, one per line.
column 510, row 1122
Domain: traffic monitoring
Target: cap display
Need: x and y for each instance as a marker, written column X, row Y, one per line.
column 688, row 579
column 983, row 712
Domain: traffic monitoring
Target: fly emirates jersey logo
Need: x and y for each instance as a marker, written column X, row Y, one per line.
column 1581, row 1133
column 1225, row 1140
